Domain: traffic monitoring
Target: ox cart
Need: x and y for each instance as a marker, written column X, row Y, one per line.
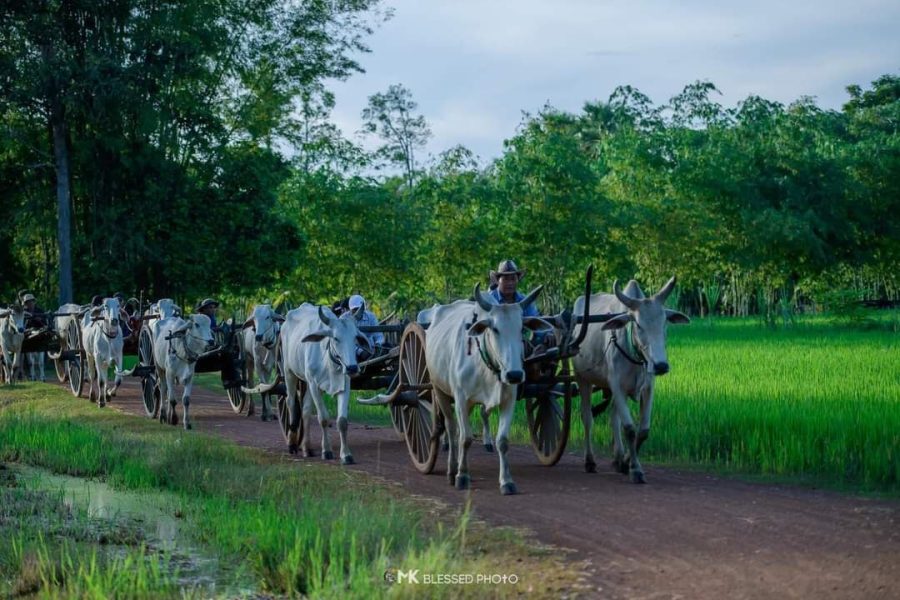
column 62, row 344
column 547, row 390
column 226, row 357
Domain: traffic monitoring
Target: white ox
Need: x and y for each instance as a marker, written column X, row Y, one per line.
column 177, row 344
column 319, row 349
column 458, row 336
column 260, row 338
column 101, row 338
column 622, row 358
column 12, row 334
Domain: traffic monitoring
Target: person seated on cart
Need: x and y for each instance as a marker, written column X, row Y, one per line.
column 504, row 289
column 368, row 318
column 37, row 316
column 209, row 307
column 124, row 316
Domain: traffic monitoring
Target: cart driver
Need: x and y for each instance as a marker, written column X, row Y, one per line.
column 208, row 307
column 507, row 278
column 357, row 302
column 37, row 317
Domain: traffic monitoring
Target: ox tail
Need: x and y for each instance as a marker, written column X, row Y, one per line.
column 125, row 373
column 262, row 388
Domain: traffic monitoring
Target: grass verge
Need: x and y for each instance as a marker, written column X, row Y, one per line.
column 300, row 529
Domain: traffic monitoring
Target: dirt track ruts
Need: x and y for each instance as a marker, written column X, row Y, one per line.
column 683, row 535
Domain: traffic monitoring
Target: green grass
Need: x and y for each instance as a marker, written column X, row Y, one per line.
column 815, row 403
column 301, row 529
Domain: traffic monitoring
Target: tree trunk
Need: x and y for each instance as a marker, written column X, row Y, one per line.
column 64, row 212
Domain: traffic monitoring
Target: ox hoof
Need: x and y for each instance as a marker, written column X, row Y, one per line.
column 328, row 455
column 462, row 482
column 590, row 466
column 488, row 447
column 620, row 466
column 188, row 426
column 638, row 477
column 309, row 453
column 348, row 460
column 509, row 489
column 293, row 449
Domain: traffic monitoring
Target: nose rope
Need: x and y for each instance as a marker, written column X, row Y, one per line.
column 641, row 360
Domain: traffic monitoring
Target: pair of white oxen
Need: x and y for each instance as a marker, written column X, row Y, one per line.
column 321, row 350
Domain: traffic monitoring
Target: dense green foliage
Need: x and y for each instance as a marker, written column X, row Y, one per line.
column 172, row 115
column 202, row 162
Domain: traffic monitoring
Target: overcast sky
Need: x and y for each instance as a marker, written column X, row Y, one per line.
column 474, row 65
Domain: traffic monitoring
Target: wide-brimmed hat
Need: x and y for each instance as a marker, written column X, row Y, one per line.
column 207, row 302
column 507, row 267
column 28, row 298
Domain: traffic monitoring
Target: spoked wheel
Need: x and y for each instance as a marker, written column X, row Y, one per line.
column 549, row 418
column 238, row 399
column 284, row 415
column 59, row 365
column 282, row 410
column 75, row 365
column 396, row 409
column 149, row 389
column 422, row 424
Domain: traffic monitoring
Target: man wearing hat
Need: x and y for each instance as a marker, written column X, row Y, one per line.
column 208, row 307
column 36, row 318
column 368, row 318
column 507, row 277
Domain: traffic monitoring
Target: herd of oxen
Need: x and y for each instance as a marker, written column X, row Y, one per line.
column 620, row 357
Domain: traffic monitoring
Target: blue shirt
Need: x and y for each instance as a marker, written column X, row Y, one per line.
column 529, row 311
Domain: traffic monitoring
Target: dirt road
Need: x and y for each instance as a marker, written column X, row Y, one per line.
column 683, row 535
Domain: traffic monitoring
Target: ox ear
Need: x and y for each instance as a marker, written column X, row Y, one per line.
column 478, row 327
column 316, row 336
column 278, row 318
column 4, row 313
column 247, row 324
column 536, row 324
column 617, row 322
column 677, row 318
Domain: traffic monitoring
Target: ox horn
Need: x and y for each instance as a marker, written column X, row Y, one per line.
column 664, row 292
column 262, row 388
column 530, row 298
column 360, row 312
column 483, row 302
column 624, row 298
column 323, row 317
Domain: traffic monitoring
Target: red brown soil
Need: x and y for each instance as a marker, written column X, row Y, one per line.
column 682, row 535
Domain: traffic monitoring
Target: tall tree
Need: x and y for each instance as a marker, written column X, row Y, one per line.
column 391, row 116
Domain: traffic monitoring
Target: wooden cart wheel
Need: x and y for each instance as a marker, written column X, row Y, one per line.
column 422, row 424
column 284, row 415
column 149, row 389
column 236, row 396
column 60, row 365
column 396, row 409
column 75, row 365
column 549, row 419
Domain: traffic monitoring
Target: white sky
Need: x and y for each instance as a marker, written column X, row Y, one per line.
column 474, row 65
